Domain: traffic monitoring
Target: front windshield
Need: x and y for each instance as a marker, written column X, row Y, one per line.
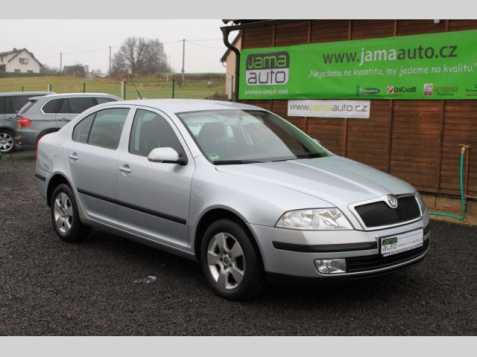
column 247, row 136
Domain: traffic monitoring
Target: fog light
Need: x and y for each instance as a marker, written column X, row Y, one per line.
column 331, row 266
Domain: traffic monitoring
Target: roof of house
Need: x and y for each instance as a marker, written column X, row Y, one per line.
column 234, row 42
column 17, row 52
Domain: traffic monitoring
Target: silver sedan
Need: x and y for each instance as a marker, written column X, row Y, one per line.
column 232, row 186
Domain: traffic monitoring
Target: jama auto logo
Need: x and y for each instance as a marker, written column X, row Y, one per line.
column 393, row 90
column 268, row 68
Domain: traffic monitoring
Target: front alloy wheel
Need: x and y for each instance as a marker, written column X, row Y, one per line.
column 230, row 260
column 7, row 142
column 226, row 260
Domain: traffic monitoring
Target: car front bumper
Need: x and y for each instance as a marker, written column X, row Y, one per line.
column 293, row 252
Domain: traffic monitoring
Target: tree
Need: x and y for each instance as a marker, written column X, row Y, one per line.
column 139, row 56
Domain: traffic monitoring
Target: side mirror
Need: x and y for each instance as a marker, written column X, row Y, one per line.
column 166, row 155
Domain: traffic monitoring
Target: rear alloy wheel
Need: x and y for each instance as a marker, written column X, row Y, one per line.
column 64, row 215
column 230, row 261
column 7, row 142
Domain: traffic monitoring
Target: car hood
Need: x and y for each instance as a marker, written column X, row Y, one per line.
column 334, row 179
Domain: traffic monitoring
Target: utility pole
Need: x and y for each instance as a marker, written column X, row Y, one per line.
column 61, row 61
column 183, row 59
column 110, row 61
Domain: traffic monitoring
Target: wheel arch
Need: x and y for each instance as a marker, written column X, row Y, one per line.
column 55, row 180
column 215, row 213
column 46, row 131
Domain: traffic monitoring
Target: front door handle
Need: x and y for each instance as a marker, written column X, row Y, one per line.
column 125, row 169
column 74, row 156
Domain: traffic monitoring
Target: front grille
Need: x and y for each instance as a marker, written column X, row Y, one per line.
column 378, row 214
column 371, row 262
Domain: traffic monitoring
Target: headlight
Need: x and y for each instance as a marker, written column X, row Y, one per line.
column 314, row 219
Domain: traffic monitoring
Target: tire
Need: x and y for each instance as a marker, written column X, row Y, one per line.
column 234, row 270
column 7, row 141
column 64, row 215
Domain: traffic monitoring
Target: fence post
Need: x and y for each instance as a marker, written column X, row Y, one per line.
column 84, row 87
column 23, row 88
column 173, row 88
column 123, row 89
column 50, row 87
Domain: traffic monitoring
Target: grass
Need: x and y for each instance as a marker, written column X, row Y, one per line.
column 150, row 87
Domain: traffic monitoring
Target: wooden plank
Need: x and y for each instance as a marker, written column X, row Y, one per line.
column 363, row 29
column 368, row 138
column 257, row 37
column 460, row 128
column 291, row 33
column 329, row 30
column 412, row 27
column 416, row 142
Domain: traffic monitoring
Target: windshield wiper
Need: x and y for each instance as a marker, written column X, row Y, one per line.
column 309, row 156
column 234, row 162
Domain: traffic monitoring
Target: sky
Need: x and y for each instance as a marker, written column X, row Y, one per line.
column 87, row 41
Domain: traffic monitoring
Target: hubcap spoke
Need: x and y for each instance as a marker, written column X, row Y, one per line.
column 236, row 273
column 212, row 258
column 222, row 281
column 236, row 250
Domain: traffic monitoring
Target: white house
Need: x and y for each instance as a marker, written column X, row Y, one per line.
column 19, row 61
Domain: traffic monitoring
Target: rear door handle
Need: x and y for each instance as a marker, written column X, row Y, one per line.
column 74, row 156
column 125, row 169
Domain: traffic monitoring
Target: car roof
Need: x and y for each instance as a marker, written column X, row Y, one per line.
column 187, row 105
column 25, row 93
column 75, row 95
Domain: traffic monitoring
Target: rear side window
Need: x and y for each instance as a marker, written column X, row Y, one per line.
column 81, row 130
column 54, row 106
column 5, row 105
column 107, row 127
column 12, row 104
column 19, row 102
column 102, row 100
column 27, row 106
column 80, row 104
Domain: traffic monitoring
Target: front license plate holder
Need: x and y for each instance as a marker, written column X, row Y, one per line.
column 399, row 243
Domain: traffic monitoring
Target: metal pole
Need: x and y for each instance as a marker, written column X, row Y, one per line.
column 123, row 89
column 173, row 88
column 183, row 58
column 61, row 61
column 110, row 61
column 50, row 87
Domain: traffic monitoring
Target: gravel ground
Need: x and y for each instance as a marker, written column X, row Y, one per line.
column 48, row 287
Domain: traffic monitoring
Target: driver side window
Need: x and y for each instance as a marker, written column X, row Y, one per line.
column 150, row 131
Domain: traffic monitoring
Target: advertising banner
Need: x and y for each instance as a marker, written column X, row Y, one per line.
column 431, row 66
column 329, row 108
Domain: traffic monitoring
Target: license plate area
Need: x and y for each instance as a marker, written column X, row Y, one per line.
column 398, row 243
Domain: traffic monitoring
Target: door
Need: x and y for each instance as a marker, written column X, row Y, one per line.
column 154, row 196
column 93, row 160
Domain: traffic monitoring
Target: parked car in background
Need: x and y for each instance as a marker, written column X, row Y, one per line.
column 47, row 114
column 233, row 186
column 10, row 104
